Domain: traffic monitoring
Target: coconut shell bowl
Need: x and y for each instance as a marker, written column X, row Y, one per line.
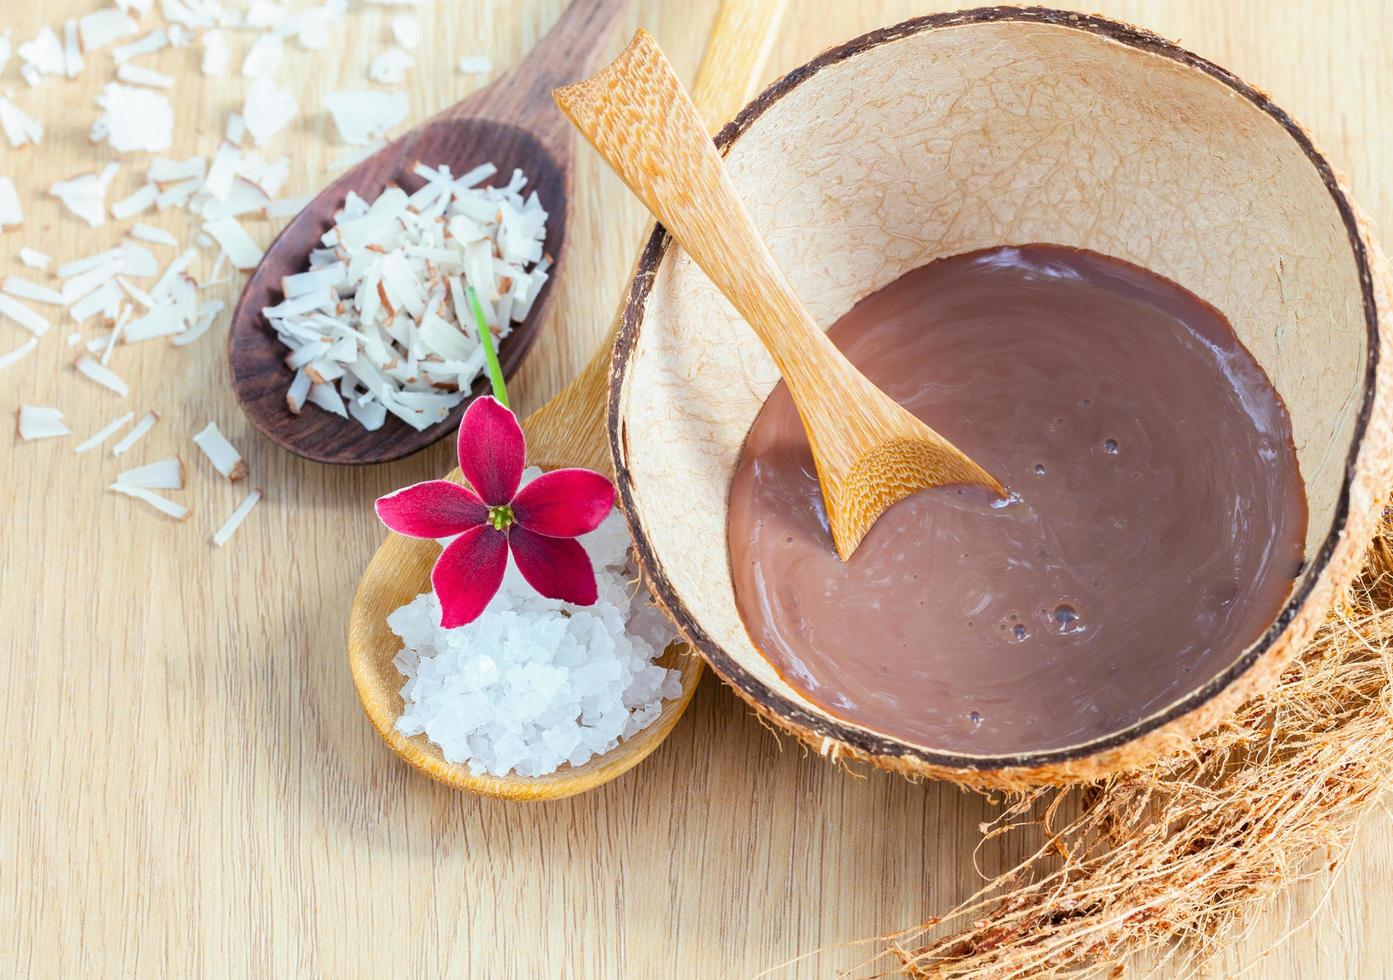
column 993, row 127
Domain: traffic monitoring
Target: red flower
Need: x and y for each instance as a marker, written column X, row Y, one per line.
column 538, row 523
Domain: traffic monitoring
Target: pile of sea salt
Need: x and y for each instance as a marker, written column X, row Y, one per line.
column 380, row 321
column 534, row 683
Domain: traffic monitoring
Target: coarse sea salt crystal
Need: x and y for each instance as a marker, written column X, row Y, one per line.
column 535, row 683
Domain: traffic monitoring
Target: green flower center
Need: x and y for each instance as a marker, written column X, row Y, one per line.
column 500, row 517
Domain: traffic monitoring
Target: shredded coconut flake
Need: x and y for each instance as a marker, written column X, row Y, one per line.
column 146, row 423
column 85, row 196
column 268, row 109
column 162, row 504
column 14, row 356
column 105, row 26
column 23, row 315
column 20, row 129
column 390, row 66
column 34, row 259
column 103, row 376
column 230, row 526
column 215, row 54
column 38, row 422
column 263, row 59
column 163, row 474
column 363, row 118
column 134, row 119
column 221, row 453
column 104, row 433
column 11, row 214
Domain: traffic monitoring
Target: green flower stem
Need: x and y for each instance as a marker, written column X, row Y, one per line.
column 500, row 390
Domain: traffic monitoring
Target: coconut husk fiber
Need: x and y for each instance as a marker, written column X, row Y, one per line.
column 1174, row 858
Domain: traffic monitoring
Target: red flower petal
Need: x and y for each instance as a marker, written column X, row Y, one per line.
column 558, row 568
column 467, row 574
column 564, row 503
column 434, row 509
column 491, row 450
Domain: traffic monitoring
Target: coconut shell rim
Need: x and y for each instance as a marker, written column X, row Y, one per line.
column 1184, row 717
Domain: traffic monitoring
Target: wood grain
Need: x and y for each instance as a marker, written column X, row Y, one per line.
column 190, row 787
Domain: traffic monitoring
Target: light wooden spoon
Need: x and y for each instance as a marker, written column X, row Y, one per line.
column 869, row 451
column 569, row 430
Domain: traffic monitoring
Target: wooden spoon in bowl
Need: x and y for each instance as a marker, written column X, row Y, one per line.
column 569, row 430
column 511, row 123
column 870, row 452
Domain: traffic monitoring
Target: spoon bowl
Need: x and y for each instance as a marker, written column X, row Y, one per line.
column 510, row 123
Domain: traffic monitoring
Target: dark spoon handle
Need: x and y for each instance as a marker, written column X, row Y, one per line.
column 567, row 52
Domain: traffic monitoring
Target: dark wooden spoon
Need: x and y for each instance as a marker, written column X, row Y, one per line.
column 512, row 123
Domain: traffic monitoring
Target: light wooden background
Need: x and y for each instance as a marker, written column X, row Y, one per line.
column 187, row 785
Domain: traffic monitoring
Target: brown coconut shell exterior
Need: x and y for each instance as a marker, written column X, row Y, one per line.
column 1368, row 474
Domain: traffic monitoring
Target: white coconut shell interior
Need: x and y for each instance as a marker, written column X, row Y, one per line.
column 964, row 137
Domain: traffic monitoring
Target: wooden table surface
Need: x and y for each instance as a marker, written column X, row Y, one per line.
column 189, row 786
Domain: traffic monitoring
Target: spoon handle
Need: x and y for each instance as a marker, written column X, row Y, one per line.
column 640, row 119
column 736, row 53
column 522, row 95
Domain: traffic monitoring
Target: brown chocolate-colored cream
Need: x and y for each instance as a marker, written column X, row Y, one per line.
column 1155, row 525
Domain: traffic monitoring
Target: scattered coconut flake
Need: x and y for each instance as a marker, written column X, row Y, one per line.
column 390, row 66
column 137, row 260
column 19, row 128
column 235, row 130
column 268, row 109
column 38, row 422
column 153, row 235
column 24, row 289
column 165, row 171
column 105, row 300
column 162, row 504
column 137, row 75
column 215, row 53
column 175, row 195
column 19, row 352
column 146, row 423
column 72, row 49
column 263, row 59
column 230, row 526
column 105, row 26
column 312, row 26
column 156, row 40
column 104, row 433
column 163, row 320
column 207, row 313
column 221, row 453
column 24, row 316
column 534, row 684
column 163, row 474
column 406, row 31
column 133, row 119
column 5, row 46
column 137, row 202
column 288, row 207
column 265, row 13
column 42, row 56
column 222, row 171
column 33, row 258
column 103, row 376
column 241, row 250
column 475, row 65
column 11, row 214
column 85, row 196
column 364, row 117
